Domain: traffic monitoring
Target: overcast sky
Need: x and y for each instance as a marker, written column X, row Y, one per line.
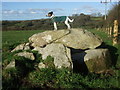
column 37, row 10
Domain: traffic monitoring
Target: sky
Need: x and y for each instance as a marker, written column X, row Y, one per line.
column 55, row 0
column 38, row 10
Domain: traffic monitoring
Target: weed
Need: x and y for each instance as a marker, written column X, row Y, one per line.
column 49, row 62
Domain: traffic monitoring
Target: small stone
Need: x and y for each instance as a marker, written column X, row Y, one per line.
column 19, row 47
column 10, row 65
column 27, row 44
column 26, row 55
column 24, row 46
column 41, row 65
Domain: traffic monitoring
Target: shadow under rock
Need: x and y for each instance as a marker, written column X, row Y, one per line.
column 79, row 65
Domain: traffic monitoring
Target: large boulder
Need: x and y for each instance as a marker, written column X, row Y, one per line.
column 96, row 60
column 74, row 38
column 60, row 53
column 42, row 39
column 80, row 39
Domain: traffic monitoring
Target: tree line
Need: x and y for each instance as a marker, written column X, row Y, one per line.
column 80, row 21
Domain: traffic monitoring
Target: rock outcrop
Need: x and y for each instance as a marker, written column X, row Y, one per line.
column 42, row 39
column 95, row 60
column 58, row 44
column 26, row 55
column 80, row 39
column 75, row 38
column 60, row 53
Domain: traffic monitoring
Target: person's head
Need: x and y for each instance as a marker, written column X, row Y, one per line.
column 50, row 14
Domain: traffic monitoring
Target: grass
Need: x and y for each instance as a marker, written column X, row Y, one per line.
column 96, row 18
column 50, row 77
column 17, row 36
column 10, row 39
column 102, row 35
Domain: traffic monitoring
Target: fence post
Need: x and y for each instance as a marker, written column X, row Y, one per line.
column 115, row 32
column 111, row 31
column 108, row 31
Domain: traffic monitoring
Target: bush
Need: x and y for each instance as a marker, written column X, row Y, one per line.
column 114, row 14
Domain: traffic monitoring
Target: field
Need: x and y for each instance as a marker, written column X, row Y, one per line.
column 13, row 37
column 52, row 78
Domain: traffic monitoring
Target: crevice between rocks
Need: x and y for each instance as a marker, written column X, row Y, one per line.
column 77, row 56
column 77, row 60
